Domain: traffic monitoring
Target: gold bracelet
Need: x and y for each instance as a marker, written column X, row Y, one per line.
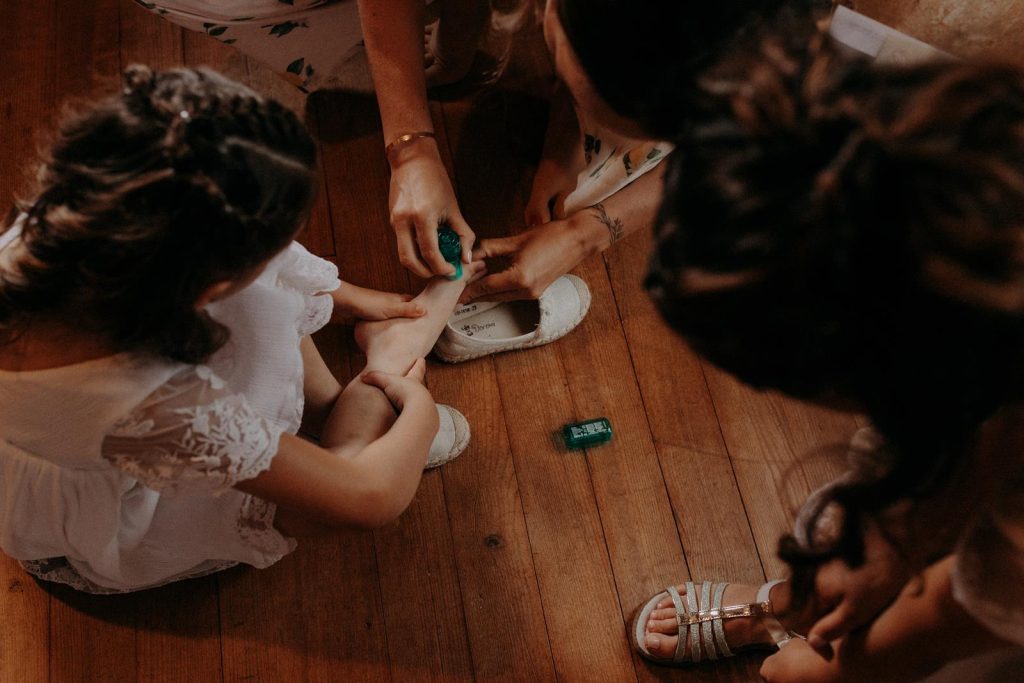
column 404, row 139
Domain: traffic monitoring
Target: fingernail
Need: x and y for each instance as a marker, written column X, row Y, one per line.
column 651, row 642
column 816, row 641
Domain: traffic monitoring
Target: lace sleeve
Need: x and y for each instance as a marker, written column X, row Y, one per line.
column 192, row 434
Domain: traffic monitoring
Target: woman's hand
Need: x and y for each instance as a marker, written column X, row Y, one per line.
column 353, row 303
column 856, row 596
column 534, row 259
column 421, row 199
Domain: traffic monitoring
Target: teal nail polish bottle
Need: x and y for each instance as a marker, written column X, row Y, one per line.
column 587, row 433
column 451, row 249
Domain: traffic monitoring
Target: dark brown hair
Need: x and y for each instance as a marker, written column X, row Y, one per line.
column 643, row 56
column 836, row 229
column 147, row 198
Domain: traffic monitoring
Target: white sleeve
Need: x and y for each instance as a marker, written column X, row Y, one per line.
column 988, row 578
column 192, row 435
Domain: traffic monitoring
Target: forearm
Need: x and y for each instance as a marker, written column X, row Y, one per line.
column 632, row 208
column 365, row 471
column 393, row 464
column 393, row 32
column 924, row 629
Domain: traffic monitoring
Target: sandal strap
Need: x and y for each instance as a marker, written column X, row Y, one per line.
column 677, row 601
column 694, row 605
column 774, row 627
column 699, row 618
column 716, row 625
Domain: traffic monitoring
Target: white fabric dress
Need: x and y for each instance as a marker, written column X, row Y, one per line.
column 116, row 474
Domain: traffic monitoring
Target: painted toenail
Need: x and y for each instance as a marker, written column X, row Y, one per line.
column 652, row 642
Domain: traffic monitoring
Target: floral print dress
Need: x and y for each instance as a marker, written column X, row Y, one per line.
column 303, row 40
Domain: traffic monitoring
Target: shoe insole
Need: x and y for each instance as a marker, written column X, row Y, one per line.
column 504, row 321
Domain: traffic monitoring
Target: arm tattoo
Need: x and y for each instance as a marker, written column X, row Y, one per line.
column 615, row 227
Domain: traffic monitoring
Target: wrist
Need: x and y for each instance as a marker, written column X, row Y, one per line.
column 589, row 232
column 411, row 146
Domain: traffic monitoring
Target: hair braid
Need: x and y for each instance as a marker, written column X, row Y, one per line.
column 147, row 198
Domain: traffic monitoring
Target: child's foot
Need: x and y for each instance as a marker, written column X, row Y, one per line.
column 662, row 630
column 450, row 43
column 394, row 345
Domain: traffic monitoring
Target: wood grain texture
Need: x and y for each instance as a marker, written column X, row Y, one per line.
column 27, row 90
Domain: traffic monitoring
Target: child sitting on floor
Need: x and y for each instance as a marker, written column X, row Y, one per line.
column 155, row 362
column 854, row 235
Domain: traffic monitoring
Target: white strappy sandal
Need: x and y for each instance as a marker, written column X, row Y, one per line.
column 700, row 617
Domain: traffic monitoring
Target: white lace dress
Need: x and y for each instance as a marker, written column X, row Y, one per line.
column 116, row 474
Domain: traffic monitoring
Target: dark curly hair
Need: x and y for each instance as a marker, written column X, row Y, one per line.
column 147, row 198
column 643, row 56
column 840, row 230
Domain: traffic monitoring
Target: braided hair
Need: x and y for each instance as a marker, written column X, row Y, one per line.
column 846, row 232
column 147, row 198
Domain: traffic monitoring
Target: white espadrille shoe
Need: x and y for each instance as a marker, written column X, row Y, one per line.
column 480, row 329
column 452, row 437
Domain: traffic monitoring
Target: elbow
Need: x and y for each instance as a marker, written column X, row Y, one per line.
column 377, row 508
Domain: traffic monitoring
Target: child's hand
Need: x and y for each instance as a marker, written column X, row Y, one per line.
column 353, row 303
column 401, row 391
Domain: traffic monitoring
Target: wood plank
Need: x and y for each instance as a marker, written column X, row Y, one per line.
column 669, row 372
column 178, row 618
column 557, row 493
column 709, row 511
column 93, row 636
column 495, row 559
column 507, row 634
column 781, row 449
column 148, row 39
column 27, row 90
column 27, row 96
column 310, row 617
column 88, row 53
column 438, row 648
column 25, row 645
column 415, row 558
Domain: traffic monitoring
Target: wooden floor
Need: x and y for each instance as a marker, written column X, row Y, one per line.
column 519, row 561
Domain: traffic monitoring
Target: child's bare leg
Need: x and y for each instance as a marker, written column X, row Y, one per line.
column 394, row 345
column 320, row 387
column 363, row 415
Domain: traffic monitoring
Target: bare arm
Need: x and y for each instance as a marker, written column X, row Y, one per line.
column 393, row 31
column 421, row 194
column 543, row 253
column 345, row 482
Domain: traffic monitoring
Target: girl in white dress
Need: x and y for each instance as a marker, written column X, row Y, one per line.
column 155, row 363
